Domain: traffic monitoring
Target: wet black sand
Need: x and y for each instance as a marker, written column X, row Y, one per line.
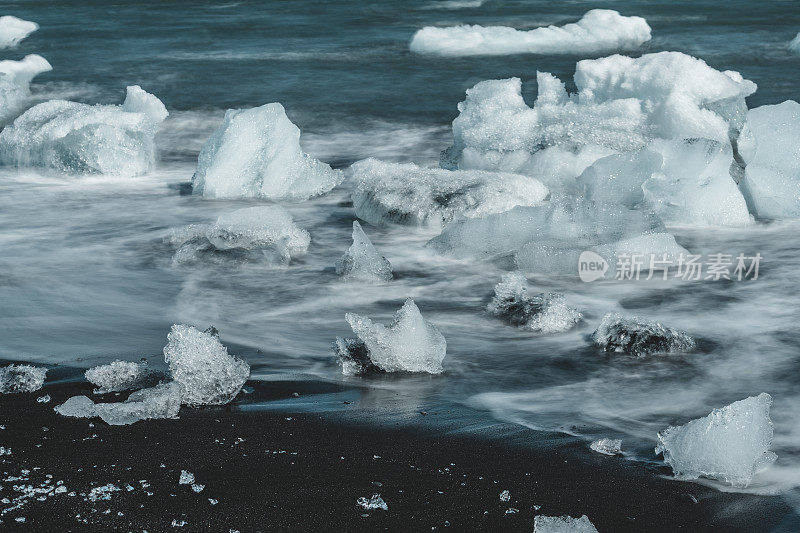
column 273, row 471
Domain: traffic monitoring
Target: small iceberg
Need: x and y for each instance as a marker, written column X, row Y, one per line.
column 404, row 193
column 80, row 138
column 607, row 446
column 598, row 31
column 563, row 524
column 409, row 344
column 13, row 30
column 639, row 337
column 731, row 444
column 362, row 261
column 255, row 153
column 161, row 401
column 21, row 378
column 117, row 376
column 545, row 313
column 202, row 367
column 15, row 81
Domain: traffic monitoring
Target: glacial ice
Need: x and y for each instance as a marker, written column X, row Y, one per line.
column 598, row 31
column 373, row 502
column 15, row 80
column 81, row 138
column 405, row 193
column 186, row 478
column 362, row 261
column 161, row 401
column 562, row 524
column 255, row 153
column 409, row 344
column 794, row 44
column 770, row 147
column 77, row 407
column 116, row 376
column 202, row 367
column 546, row 313
column 730, row 444
column 13, row 30
column 251, row 233
column 21, row 378
column 607, row 446
column 551, row 237
column 639, row 337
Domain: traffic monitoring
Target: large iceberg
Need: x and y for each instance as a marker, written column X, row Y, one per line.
column 117, row 376
column 255, row 153
column 770, row 147
column 13, row 30
column 639, row 337
column 362, row 261
column 409, row 194
column 21, row 378
column 545, row 313
column 161, row 401
column 202, row 367
column 261, row 232
column 15, row 81
column 550, row 238
column 81, row 138
column 598, row 31
column 731, row 444
column 409, row 344
column 562, row 524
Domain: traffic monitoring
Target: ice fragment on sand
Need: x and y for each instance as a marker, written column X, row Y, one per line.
column 186, row 478
column 362, row 261
column 505, row 496
column 202, row 367
column 13, row 30
column 21, row 378
column 374, row 502
column 255, row 153
column 116, row 376
column 639, row 337
column 563, row 524
column 15, row 80
column 43, row 399
column 409, row 344
column 82, row 138
column 547, row 313
column 731, row 444
column 102, row 493
column 607, row 446
column 161, row 401
column 405, row 193
column 598, row 31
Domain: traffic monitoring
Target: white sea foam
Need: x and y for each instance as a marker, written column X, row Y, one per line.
column 13, row 30
column 598, row 31
column 794, row 44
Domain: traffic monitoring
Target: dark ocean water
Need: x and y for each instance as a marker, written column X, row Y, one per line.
column 85, row 278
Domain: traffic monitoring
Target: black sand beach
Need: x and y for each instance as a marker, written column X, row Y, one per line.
column 270, row 471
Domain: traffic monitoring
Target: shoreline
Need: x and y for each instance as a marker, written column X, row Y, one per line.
column 280, row 470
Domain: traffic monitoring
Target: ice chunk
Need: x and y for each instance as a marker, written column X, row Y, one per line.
column 770, row 147
column 15, row 80
column 186, row 478
column 639, row 337
column 547, row 313
column 44, row 399
column 255, row 153
column 405, row 193
column 362, row 261
column 618, row 178
column 409, row 344
column 201, row 365
column 794, row 44
column 505, row 496
column 562, row 524
column 13, row 30
column 731, row 444
column 598, row 31
column 374, row 502
column 81, row 138
column 21, row 378
column 161, row 401
column 260, row 232
column 116, row 376
column 77, row 407
column 607, row 446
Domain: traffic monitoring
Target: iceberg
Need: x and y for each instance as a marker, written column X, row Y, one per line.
column 255, row 153
column 116, row 376
column 598, row 31
column 730, row 444
column 15, row 81
column 409, row 344
column 639, row 337
column 545, row 313
column 405, row 193
column 161, row 401
column 562, row 524
column 607, row 446
column 21, row 378
column 202, row 367
column 13, row 30
column 770, row 147
column 260, row 232
column 362, row 261
column 81, row 138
